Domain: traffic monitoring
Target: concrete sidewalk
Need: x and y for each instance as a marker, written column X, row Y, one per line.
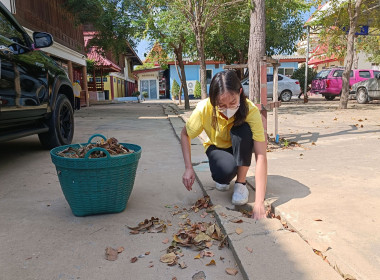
column 326, row 186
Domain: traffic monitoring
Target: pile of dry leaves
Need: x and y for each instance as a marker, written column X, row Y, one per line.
column 111, row 145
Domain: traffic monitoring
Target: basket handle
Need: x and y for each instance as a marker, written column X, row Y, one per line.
column 96, row 135
column 97, row 149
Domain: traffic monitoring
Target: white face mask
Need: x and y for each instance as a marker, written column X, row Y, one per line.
column 229, row 113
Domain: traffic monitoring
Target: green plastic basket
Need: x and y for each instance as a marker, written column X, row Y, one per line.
column 97, row 185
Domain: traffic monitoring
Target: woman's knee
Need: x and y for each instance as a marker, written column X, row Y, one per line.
column 224, row 176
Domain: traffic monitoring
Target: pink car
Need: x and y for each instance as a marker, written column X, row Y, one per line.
column 328, row 82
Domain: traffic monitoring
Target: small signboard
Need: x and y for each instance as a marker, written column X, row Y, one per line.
column 363, row 30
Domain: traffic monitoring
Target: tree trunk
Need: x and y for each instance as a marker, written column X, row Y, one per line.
column 256, row 48
column 182, row 76
column 348, row 61
column 202, row 60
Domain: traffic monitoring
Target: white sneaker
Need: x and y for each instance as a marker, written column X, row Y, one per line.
column 240, row 196
column 222, row 187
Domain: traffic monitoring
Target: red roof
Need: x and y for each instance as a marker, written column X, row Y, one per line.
column 98, row 58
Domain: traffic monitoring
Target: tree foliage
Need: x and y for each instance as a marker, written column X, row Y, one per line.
column 175, row 89
column 228, row 38
column 197, row 90
column 115, row 21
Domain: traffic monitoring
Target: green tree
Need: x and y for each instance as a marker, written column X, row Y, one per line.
column 175, row 89
column 340, row 21
column 299, row 75
column 166, row 24
column 200, row 15
column 197, row 90
column 228, row 38
column 115, row 21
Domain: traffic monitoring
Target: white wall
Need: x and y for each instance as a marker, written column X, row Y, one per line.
column 10, row 5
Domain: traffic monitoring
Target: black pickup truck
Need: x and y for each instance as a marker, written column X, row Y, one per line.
column 36, row 95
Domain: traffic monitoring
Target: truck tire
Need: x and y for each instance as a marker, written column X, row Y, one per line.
column 330, row 97
column 362, row 96
column 61, row 125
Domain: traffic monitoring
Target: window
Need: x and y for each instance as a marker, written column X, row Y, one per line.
column 208, row 76
column 281, row 71
column 289, row 71
column 270, row 78
column 11, row 32
column 323, row 74
column 98, row 80
column 338, row 73
column 364, row 74
column 91, row 79
column 104, row 79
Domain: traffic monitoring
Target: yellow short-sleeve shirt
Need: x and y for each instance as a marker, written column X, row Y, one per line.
column 201, row 119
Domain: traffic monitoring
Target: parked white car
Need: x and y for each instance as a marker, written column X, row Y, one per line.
column 287, row 87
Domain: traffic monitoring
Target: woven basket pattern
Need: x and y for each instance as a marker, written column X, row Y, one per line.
column 97, row 185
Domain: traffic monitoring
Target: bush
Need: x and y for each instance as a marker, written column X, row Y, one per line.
column 175, row 89
column 299, row 75
column 145, row 94
column 197, row 90
column 136, row 93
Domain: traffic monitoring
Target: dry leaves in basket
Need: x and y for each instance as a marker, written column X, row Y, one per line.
column 111, row 145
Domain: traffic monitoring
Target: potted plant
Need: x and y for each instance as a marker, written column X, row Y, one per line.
column 145, row 94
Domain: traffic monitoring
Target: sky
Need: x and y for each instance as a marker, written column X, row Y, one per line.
column 143, row 46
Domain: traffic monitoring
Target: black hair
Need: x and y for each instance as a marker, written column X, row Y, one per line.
column 227, row 81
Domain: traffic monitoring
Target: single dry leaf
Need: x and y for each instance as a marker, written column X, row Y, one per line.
column 212, row 262
column 182, row 264
column 134, row 232
column 249, row 249
column 147, row 253
column 111, row 254
column 208, row 253
column 168, row 258
column 208, row 244
column 202, row 237
column 184, row 216
column 150, row 266
column 134, row 259
column 313, row 143
column 239, row 230
column 237, row 221
column 197, row 256
column 231, row 271
column 221, row 258
column 120, row 249
column 318, row 220
column 165, row 241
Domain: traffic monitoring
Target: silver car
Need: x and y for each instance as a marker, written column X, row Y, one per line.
column 287, row 87
column 367, row 90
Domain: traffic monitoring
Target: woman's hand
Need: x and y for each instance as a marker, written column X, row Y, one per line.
column 188, row 178
column 259, row 211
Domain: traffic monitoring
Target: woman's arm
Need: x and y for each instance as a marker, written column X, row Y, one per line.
column 188, row 177
column 260, row 179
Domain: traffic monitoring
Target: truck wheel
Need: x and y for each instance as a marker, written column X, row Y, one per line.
column 285, row 96
column 362, row 96
column 61, row 125
column 330, row 97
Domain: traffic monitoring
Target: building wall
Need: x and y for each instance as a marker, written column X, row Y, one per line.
column 193, row 73
column 287, row 67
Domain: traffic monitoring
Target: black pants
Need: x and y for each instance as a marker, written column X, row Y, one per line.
column 77, row 103
column 224, row 162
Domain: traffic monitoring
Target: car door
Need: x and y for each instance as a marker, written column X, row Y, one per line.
column 269, row 85
column 23, row 84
